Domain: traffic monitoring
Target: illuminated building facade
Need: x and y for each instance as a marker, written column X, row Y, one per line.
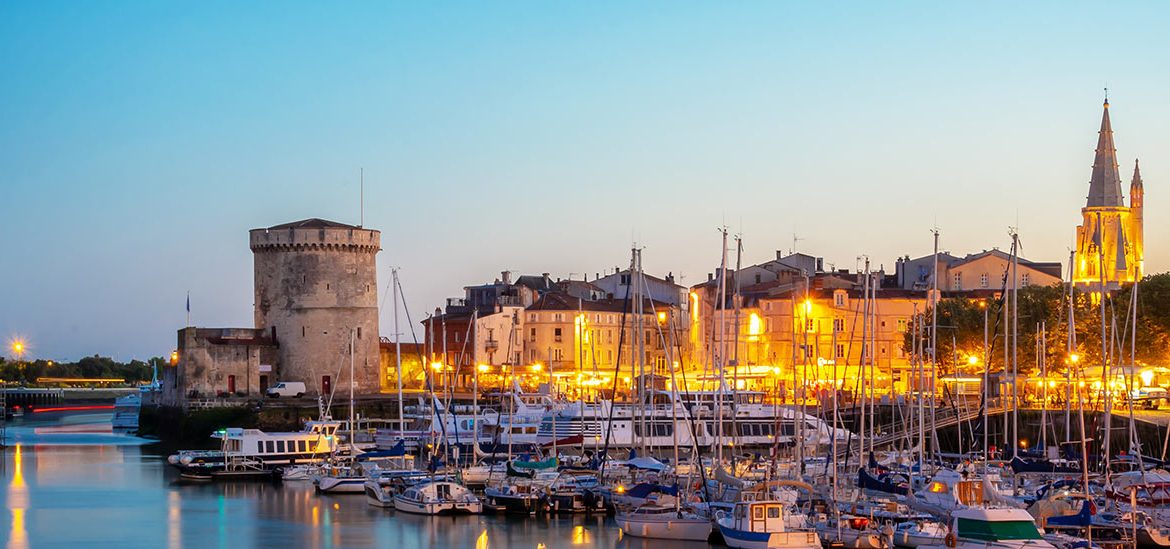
column 1110, row 238
column 789, row 334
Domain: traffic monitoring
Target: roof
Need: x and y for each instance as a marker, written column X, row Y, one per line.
column 1105, row 184
column 539, row 283
column 313, row 223
column 557, row 301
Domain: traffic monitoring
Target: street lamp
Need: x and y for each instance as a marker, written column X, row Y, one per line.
column 18, row 348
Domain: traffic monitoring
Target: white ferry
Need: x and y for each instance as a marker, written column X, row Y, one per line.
column 271, row 451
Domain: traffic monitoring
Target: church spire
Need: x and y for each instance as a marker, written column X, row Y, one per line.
column 1137, row 176
column 1105, row 185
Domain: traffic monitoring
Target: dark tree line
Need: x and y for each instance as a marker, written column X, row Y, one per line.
column 27, row 372
column 961, row 328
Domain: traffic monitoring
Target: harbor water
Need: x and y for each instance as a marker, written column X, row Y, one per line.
column 70, row 482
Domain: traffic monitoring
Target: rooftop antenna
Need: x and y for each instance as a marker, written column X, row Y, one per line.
column 795, row 239
column 362, row 197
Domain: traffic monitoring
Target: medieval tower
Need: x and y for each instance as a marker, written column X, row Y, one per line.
column 316, row 287
column 1109, row 239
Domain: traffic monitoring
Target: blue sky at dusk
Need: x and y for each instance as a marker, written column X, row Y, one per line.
column 140, row 141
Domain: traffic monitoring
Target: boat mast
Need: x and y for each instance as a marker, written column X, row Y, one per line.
column 735, row 349
column 934, row 347
column 1015, row 343
column 1105, row 362
column 861, row 366
column 398, row 356
column 1071, row 345
column 1043, row 358
column 721, row 307
column 352, row 383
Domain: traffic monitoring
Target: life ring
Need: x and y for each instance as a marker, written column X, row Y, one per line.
column 950, row 540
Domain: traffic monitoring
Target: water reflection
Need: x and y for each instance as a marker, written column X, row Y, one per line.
column 17, row 500
column 111, row 495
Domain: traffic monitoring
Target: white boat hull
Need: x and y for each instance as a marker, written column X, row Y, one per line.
column 665, row 527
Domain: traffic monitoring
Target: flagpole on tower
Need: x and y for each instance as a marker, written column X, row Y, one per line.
column 188, row 308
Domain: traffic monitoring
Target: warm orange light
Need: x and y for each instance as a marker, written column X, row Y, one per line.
column 808, row 306
column 662, row 317
column 1074, row 358
column 174, row 358
column 436, row 366
column 754, row 324
column 537, row 367
column 483, row 368
column 972, row 360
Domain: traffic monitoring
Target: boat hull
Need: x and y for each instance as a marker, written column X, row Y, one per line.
column 665, row 527
column 742, row 539
column 437, row 508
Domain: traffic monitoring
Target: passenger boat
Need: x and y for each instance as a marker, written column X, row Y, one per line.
column 850, row 531
column 126, row 409
column 660, row 520
column 438, row 498
column 267, row 451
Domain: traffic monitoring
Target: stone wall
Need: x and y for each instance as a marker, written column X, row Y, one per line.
column 241, row 362
column 315, row 287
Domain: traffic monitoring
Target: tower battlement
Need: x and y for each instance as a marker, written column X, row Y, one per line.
column 315, row 234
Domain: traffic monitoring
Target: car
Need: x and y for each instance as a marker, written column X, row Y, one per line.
column 286, row 389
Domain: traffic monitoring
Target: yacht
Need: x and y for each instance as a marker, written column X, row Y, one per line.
column 1003, row 528
column 663, row 520
column 438, row 498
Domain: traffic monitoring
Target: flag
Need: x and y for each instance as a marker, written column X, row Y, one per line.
column 188, row 302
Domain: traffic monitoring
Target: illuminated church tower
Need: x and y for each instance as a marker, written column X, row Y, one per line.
column 1109, row 239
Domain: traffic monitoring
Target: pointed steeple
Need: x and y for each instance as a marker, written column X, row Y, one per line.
column 1105, row 185
column 1136, row 183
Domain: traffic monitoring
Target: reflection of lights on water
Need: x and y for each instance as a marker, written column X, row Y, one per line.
column 541, row 546
column 174, row 522
column 581, row 536
column 17, row 502
column 316, row 516
column 482, row 541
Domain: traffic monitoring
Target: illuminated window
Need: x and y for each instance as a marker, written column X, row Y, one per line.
column 838, row 324
column 810, row 324
column 839, row 299
column 840, row 350
column 532, row 334
column 556, row 334
column 902, row 324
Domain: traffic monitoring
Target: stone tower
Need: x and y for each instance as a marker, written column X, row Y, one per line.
column 315, row 282
column 1109, row 239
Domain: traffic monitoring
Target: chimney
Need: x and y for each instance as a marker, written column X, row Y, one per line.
column 506, row 276
column 546, row 280
column 710, row 277
column 779, row 254
column 670, row 277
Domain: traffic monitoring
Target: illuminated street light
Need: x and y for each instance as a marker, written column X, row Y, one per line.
column 972, row 360
column 18, row 348
column 174, row 358
column 1074, row 358
column 483, row 368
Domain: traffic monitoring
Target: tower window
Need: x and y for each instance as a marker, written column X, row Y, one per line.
column 302, row 331
column 359, row 332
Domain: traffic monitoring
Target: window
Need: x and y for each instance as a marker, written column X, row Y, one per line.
column 280, row 447
column 625, row 280
column 983, row 280
column 359, row 332
column 839, row 299
column 757, row 278
column 302, row 331
column 810, row 324
column 758, row 511
column 532, row 334
column 957, row 281
column 773, row 511
column 902, row 324
column 259, row 446
column 609, row 356
column 531, row 317
column 556, row 334
column 840, row 350
column 558, row 354
column 838, row 324
column 270, row 446
column 558, row 317
column 609, row 336
column 302, row 446
column 456, row 337
column 1025, row 279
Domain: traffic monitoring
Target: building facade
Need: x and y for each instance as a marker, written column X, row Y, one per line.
column 1110, row 238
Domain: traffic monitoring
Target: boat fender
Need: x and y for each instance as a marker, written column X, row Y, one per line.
column 950, row 539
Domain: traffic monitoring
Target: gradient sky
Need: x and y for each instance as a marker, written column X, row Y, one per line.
column 140, row 141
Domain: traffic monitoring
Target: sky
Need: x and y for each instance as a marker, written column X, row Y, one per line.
column 140, row 141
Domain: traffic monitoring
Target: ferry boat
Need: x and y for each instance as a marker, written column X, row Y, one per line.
column 267, row 451
column 126, row 409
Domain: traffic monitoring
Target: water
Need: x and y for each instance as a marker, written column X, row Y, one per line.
column 70, row 482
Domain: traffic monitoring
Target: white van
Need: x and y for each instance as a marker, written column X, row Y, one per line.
column 287, row 389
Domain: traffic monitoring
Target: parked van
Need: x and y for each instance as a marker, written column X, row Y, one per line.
column 287, row 389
